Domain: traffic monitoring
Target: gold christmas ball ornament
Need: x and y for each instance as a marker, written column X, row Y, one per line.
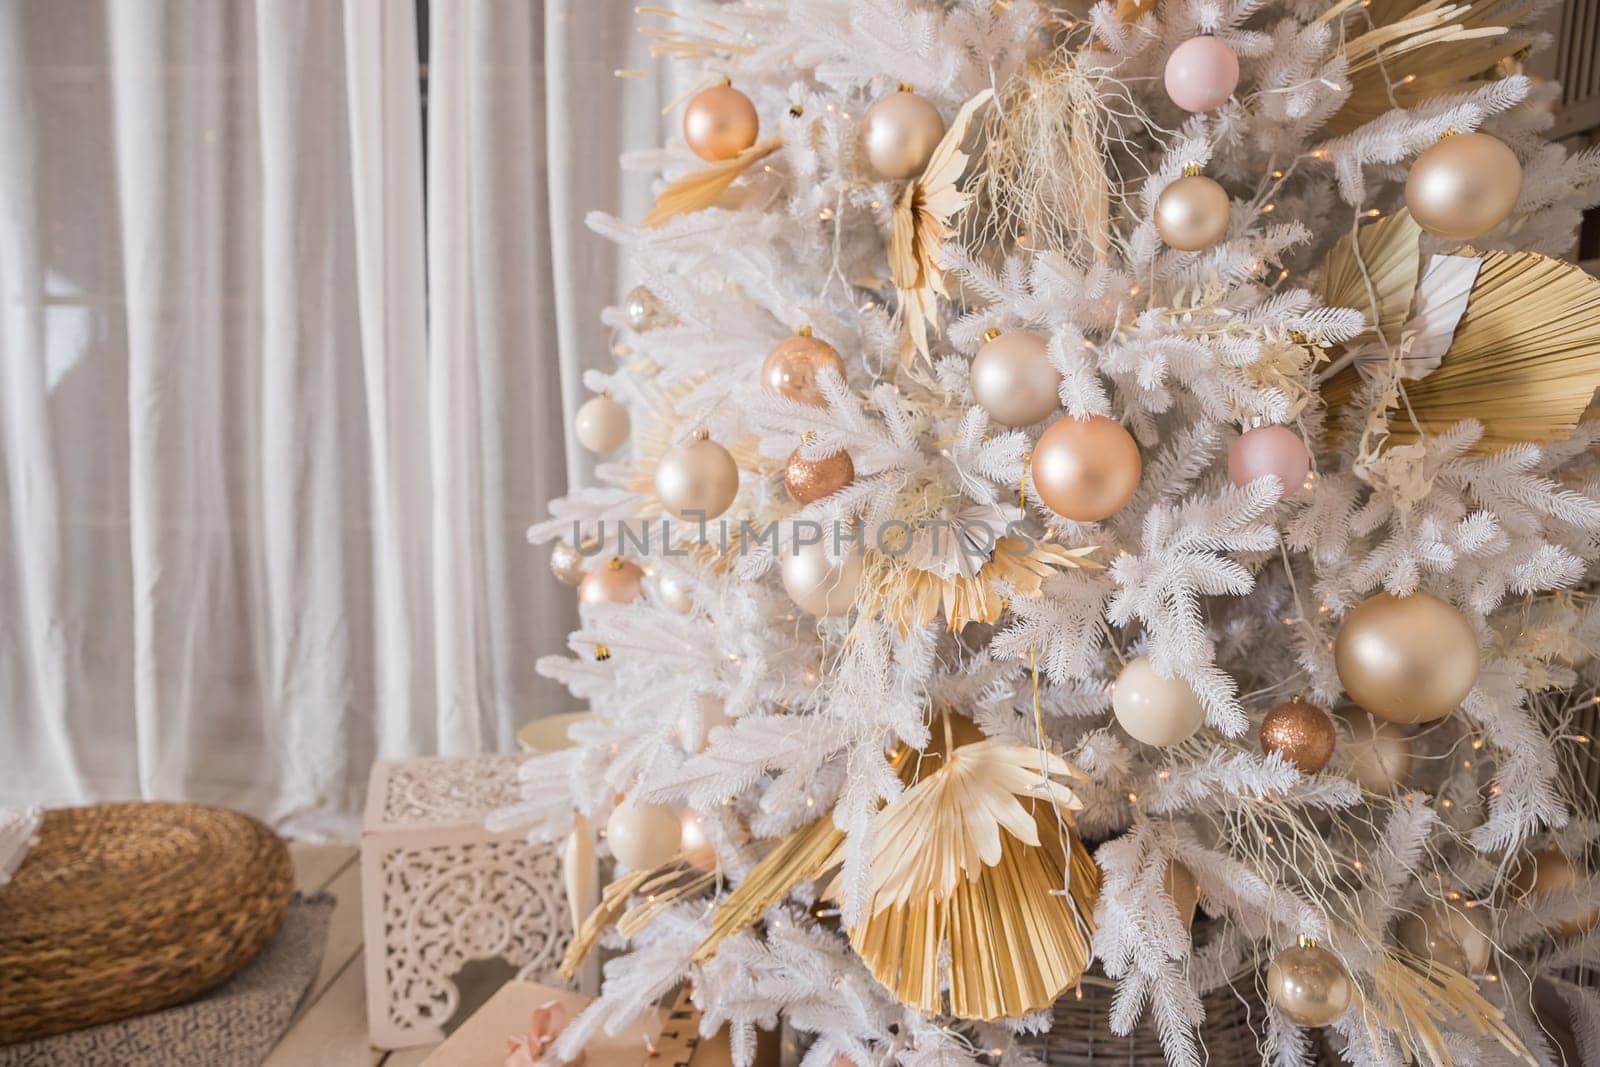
column 793, row 367
column 1192, row 213
column 642, row 836
column 696, row 481
column 1086, row 469
column 1379, row 753
column 674, row 593
column 818, row 587
column 1301, row 733
column 1153, row 709
column 1430, row 943
column 1464, row 186
column 695, row 843
column 813, row 479
column 900, row 133
column 601, row 425
column 1406, row 659
column 1013, row 380
column 618, row 582
column 1448, row 934
column 1548, row 872
column 1308, row 984
column 1180, row 885
column 719, row 123
column 645, row 311
column 566, row 563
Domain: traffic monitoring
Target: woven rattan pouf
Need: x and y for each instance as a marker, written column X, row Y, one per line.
column 121, row 909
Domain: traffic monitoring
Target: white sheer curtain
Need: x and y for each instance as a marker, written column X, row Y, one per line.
column 268, row 441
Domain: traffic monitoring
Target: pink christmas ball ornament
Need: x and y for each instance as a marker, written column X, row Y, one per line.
column 1202, row 74
column 1274, row 450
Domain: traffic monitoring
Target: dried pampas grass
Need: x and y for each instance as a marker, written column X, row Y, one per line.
column 1412, row 995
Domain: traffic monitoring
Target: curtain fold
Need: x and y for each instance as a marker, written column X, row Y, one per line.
column 270, row 431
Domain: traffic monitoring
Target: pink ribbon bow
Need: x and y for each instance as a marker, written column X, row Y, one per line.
column 544, row 1026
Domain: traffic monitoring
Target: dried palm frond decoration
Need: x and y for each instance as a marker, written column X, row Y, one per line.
column 1375, row 271
column 702, row 188
column 672, row 880
column 1412, row 995
column 800, row 857
column 921, row 226
column 974, row 887
column 1523, row 357
column 910, row 597
column 1415, row 51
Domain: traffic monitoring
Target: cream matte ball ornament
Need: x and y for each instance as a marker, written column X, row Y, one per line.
column 1192, row 213
column 618, row 582
column 1308, row 984
column 1548, row 872
column 719, row 123
column 818, row 587
column 1201, row 74
column 1464, row 186
column 674, row 593
column 695, row 843
column 1013, row 380
column 601, row 424
column 1406, row 659
column 795, row 365
column 642, row 836
column 566, row 563
column 697, row 481
column 900, row 133
column 1156, row 710
column 1378, row 753
column 1086, row 469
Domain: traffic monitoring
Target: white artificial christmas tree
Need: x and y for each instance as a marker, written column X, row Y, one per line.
column 809, row 673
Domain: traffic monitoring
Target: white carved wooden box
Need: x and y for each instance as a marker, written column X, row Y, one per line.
column 439, row 890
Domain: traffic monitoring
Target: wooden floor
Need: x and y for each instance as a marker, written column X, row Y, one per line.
column 331, row 1027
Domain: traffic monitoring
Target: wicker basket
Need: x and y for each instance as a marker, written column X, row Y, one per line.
column 125, row 908
column 1080, row 1035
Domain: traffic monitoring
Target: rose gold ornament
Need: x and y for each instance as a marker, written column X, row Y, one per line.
column 1180, row 885
column 900, row 133
column 697, row 481
column 1549, row 872
column 1302, row 734
column 1192, row 213
column 1086, row 469
column 1406, row 659
column 719, row 123
column 813, row 479
column 695, row 842
column 795, row 364
column 1153, row 709
column 566, row 563
column 618, row 582
column 601, row 424
column 642, row 836
column 674, row 592
column 1378, row 753
column 1013, row 379
column 1201, row 74
column 1269, row 450
column 1308, row 984
column 1464, row 186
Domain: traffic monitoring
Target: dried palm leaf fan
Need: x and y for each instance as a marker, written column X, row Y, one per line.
column 1414, row 51
column 702, row 188
column 1375, row 270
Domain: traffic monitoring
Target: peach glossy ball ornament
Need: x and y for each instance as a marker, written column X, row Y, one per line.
column 696, row 481
column 695, row 843
column 719, row 123
column 1269, row 450
column 618, row 582
column 1013, row 380
column 900, row 133
column 1464, row 186
column 1406, row 659
column 1192, row 213
column 1086, row 469
column 795, row 365
column 1201, row 74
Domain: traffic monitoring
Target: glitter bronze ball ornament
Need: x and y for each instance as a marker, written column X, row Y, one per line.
column 900, row 133
column 1155, row 710
column 566, row 563
column 601, row 424
column 642, row 836
column 719, row 123
column 696, row 481
column 1302, row 734
column 813, row 479
column 618, row 582
column 1086, row 469
column 1192, row 213
column 795, row 364
column 1464, row 186
column 1406, row 659
column 1308, row 984
column 1013, row 380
